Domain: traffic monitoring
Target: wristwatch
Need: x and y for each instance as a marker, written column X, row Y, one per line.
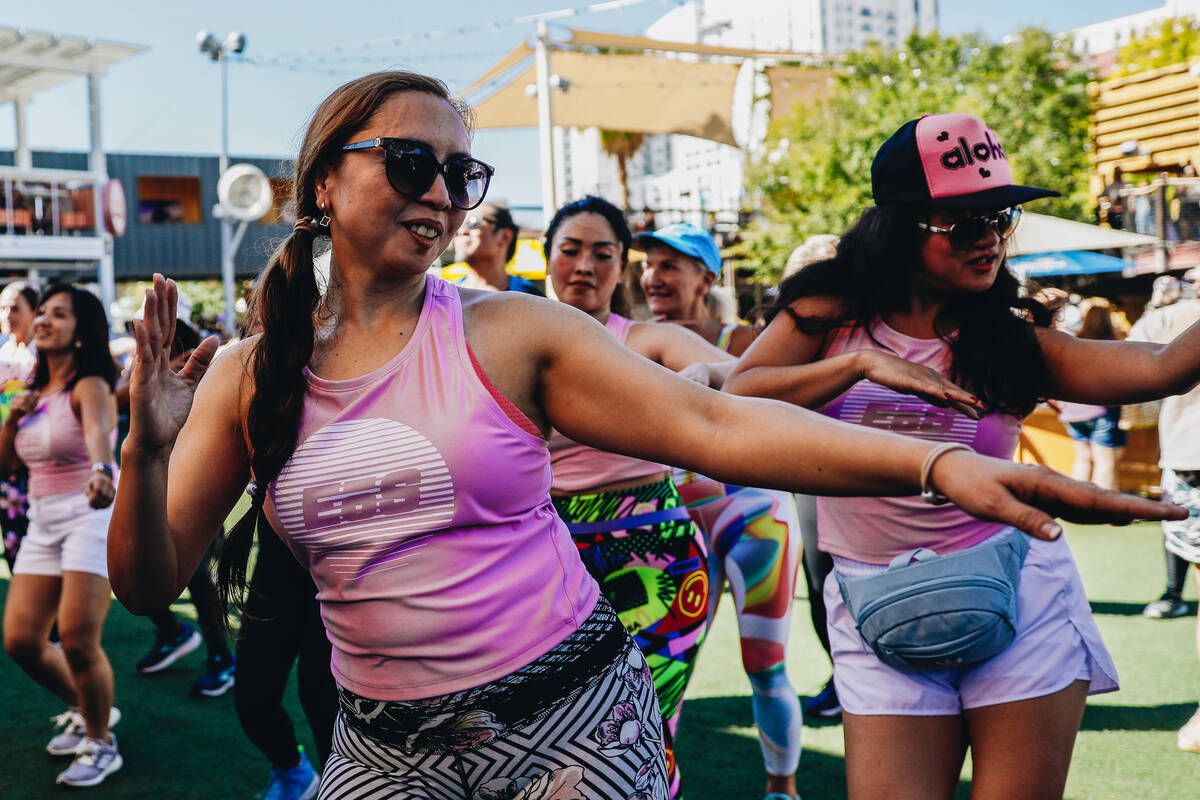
column 100, row 466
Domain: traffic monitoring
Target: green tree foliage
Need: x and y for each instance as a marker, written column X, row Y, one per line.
column 1172, row 41
column 813, row 174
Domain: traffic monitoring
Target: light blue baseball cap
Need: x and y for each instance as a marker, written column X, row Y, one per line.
column 686, row 238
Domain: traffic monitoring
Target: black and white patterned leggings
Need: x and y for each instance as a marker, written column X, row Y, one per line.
column 581, row 722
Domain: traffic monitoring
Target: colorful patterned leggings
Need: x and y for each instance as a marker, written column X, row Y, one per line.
column 650, row 561
column 581, row 721
column 754, row 543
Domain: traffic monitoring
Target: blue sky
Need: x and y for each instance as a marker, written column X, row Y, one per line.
column 167, row 99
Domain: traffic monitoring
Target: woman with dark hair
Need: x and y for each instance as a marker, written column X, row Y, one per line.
column 659, row 586
column 62, row 431
column 753, row 535
column 17, row 362
column 393, row 431
column 916, row 304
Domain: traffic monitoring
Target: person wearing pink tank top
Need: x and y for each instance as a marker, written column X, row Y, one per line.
column 395, row 428
column 62, row 430
column 917, row 327
column 625, row 515
column 753, row 535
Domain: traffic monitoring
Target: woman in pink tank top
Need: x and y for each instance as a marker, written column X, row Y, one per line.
column 394, row 427
column 916, row 327
column 609, row 501
column 62, row 431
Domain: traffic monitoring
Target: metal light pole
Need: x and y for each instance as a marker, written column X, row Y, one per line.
column 235, row 42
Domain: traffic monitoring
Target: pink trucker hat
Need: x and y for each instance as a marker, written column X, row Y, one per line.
column 951, row 160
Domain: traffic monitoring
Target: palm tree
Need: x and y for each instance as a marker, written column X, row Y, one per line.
column 621, row 145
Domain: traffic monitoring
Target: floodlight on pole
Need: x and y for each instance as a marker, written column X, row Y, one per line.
column 219, row 51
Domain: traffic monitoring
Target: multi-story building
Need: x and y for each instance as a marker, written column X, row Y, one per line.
column 1101, row 40
column 681, row 177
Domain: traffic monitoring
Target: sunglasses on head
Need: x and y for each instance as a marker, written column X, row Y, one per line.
column 965, row 232
column 412, row 168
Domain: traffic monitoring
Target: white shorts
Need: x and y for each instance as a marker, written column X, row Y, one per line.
column 1057, row 643
column 65, row 534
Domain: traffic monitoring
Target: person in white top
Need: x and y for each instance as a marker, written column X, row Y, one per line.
column 17, row 361
column 1179, row 458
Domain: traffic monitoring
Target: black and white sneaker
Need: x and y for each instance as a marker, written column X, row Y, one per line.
column 1168, row 606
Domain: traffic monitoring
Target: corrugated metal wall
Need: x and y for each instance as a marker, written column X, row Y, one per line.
column 178, row 250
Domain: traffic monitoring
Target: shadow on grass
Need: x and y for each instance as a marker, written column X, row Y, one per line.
column 720, row 759
column 1117, row 608
column 1167, row 717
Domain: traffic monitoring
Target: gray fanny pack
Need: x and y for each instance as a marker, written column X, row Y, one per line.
column 927, row 611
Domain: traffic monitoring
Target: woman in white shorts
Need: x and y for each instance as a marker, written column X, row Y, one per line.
column 62, row 431
column 916, row 305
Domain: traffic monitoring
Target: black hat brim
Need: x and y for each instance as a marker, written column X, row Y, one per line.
column 998, row 197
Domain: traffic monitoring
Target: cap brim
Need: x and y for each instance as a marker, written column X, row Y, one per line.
column 998, row 197
column 643, row 240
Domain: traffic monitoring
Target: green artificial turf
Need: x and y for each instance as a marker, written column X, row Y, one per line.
column 176, row 746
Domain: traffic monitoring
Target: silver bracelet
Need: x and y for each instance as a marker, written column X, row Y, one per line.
column 928, row 493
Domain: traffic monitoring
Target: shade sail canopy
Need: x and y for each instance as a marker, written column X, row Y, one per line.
column 616, row 41
column 1075, row 262
column 625, row 83
column 1039, row 233
column 638, row 93
column 515, row 57
column 32, row 61
column 792, row 86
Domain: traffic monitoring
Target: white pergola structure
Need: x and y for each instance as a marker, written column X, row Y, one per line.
column 55, row 216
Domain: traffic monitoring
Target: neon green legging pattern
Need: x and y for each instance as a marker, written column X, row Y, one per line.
column 656, row 578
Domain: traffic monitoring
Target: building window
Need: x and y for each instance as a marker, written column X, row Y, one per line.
column 168, row 200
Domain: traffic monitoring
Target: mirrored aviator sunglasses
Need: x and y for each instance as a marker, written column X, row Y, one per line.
column 411, row 169
column 966, row 232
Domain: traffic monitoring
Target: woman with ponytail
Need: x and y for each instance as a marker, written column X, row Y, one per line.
column 392, row 429
column 61, row 429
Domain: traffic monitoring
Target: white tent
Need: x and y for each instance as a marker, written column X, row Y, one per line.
column 1039, row 233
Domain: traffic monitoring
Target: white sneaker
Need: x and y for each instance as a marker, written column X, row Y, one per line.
column 95, row 761
column 74, row 734
column 1188, row 737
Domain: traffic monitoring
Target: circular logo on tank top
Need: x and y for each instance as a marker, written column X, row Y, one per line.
column 363, row 495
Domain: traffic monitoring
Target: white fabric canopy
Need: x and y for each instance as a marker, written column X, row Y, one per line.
column 1039, row 233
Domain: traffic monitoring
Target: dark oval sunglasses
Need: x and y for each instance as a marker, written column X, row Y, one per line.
column 966, row 232
column 411, row 169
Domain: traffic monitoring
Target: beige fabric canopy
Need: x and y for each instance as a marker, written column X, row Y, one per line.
column 637, row 89
column 639, row 93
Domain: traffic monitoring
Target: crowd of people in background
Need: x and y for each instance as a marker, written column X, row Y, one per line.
column 493, row 529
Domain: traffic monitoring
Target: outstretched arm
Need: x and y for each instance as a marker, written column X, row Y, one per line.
column 1108, row 373
column 783, row 363
column 758, row 442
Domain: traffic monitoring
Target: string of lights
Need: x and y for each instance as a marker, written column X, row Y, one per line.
column 335, row 51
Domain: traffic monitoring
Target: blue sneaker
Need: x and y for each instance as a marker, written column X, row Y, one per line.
column 298, row 783
column 167, row 651
column 824, row 703
column 217, row 678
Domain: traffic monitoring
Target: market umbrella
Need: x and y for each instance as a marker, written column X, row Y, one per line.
column 1072, row 262
column 1041, row 233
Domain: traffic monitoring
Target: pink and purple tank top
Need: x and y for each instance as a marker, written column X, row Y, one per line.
column 421, row 507
column 876, row 529
column 50, row 443
column 577, row 467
